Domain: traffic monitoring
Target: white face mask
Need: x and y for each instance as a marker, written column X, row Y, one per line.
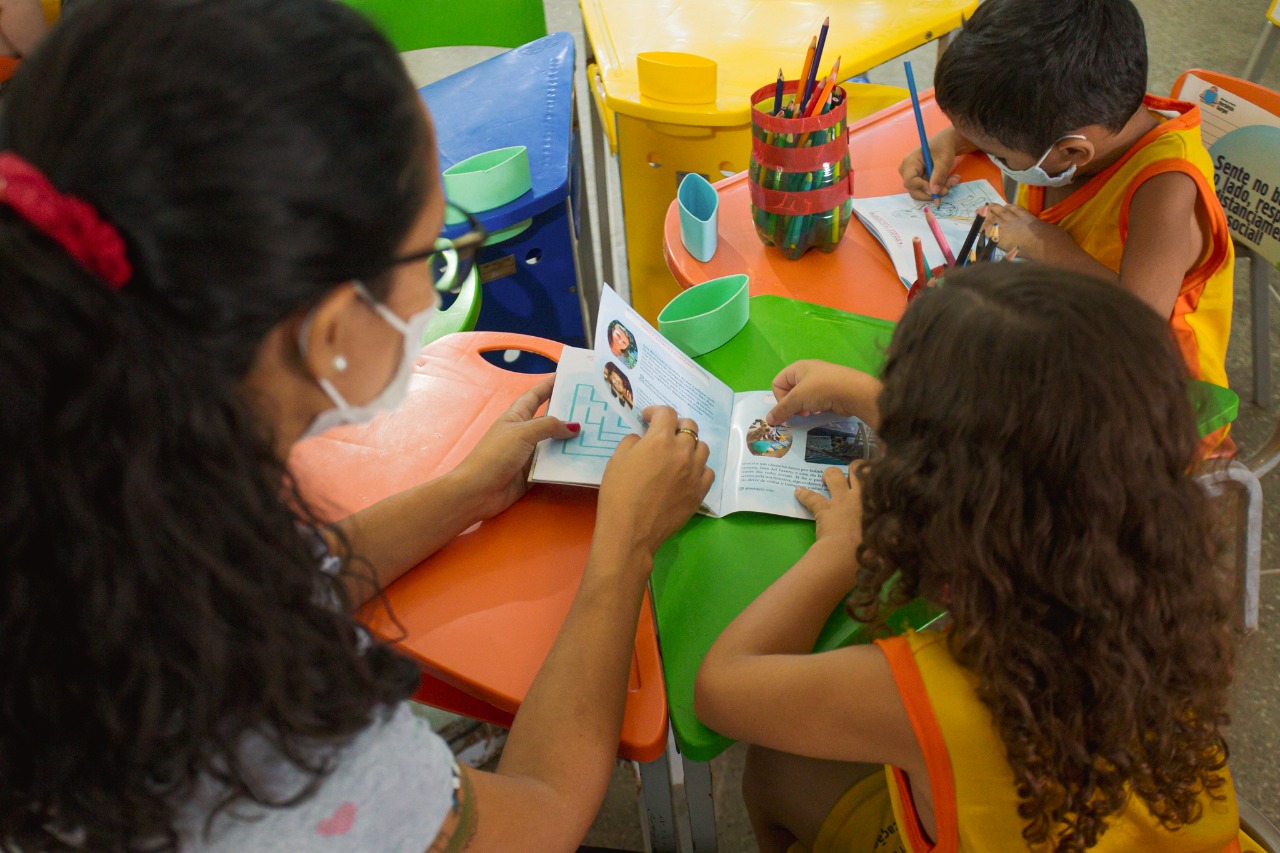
column 390, row 398
column 1036, row 176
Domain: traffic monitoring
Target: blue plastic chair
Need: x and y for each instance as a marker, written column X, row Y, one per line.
column 523, row 98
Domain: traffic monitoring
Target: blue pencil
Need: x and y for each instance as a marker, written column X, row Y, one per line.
column 924, row 138
column 817, row 58
column 777, row 94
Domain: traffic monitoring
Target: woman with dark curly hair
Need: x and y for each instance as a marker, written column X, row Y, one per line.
column 1037, row 438
column 216, row 222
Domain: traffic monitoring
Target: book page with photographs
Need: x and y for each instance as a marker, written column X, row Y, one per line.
column 638, row 368
column 766, row 462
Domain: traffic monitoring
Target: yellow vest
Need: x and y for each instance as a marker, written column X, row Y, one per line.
column 1097, row 218
column 974, row 799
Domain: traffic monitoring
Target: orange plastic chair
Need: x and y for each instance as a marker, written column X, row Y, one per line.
column 480, row 615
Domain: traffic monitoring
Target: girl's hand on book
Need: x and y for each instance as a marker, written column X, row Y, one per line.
column 496, row 472
column 654, row 484
column 944, row 146
column 839, row 517
column 806, row 387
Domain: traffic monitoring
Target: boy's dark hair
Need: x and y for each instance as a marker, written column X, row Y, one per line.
column 1028, row 72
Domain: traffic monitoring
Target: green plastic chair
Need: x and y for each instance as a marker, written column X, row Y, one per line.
column 418, row 24
column 461, row 316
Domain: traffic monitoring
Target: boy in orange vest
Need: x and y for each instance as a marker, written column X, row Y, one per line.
column 1114, row 183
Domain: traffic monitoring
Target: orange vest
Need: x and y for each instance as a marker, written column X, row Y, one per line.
column 1097, row 218
column 974, row 799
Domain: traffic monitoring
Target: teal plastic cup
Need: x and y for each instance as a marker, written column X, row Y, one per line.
column 707, row 315
column 487, row 180
column 699, row 216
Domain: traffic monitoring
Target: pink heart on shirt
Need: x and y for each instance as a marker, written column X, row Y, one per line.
column 340, row 822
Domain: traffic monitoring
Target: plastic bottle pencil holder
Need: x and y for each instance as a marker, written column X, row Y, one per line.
column 800, row 179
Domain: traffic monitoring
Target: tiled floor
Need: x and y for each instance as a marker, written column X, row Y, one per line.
column 1182, row 34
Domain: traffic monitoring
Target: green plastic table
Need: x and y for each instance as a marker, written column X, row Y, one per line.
column 710, row 571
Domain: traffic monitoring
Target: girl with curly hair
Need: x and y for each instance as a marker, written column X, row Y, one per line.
column 1037, row 437
column 216, row 225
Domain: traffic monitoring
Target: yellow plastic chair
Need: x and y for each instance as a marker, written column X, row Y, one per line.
column 686, row 108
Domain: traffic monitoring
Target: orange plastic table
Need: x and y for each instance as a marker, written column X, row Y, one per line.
column 480, row 615
column 858, row 276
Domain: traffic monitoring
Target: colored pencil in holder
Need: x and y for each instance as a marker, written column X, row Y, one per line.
column 988, row 251
column 812, row 79
column 976, row 227
column 798, row 101
column 777, row 98
column 917, row 248
column 819, row 105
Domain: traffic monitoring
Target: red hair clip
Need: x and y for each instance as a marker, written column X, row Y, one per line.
column 70, row 222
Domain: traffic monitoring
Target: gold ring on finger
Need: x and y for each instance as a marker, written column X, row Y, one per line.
column 686, row 430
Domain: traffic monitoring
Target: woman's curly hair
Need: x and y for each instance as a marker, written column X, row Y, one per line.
column 1038, row 438
column 162, row 599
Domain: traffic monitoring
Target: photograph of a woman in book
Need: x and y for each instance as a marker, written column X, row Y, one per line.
column 619, row 385
column 623, row 344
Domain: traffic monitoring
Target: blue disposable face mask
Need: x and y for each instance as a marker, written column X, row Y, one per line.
column 1037, row 176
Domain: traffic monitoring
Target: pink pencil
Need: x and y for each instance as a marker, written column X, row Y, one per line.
column 937, row 235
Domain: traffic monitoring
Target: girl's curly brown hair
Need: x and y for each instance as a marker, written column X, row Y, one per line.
column 1038, row 437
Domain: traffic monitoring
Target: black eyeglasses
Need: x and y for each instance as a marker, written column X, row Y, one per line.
column 452, row 261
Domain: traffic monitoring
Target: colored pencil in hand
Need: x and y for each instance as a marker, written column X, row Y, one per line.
column 937, row 235
column 924, row 138
column 967, row 247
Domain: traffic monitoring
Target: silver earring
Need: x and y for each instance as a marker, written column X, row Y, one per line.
column 339, row 363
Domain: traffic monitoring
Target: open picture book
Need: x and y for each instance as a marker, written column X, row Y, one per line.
column 757, row 465
column 894, row 219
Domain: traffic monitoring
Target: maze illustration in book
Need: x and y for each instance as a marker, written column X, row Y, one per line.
column 601, row 428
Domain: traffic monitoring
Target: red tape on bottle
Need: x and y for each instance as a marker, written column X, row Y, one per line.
column 798, row 159
column 788, row 203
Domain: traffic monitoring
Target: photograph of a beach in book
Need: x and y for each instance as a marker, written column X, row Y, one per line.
column 839, row 444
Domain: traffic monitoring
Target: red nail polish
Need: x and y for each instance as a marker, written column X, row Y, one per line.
column 575, row 427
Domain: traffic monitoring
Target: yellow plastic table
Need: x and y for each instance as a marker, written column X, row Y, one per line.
column 672, row 82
